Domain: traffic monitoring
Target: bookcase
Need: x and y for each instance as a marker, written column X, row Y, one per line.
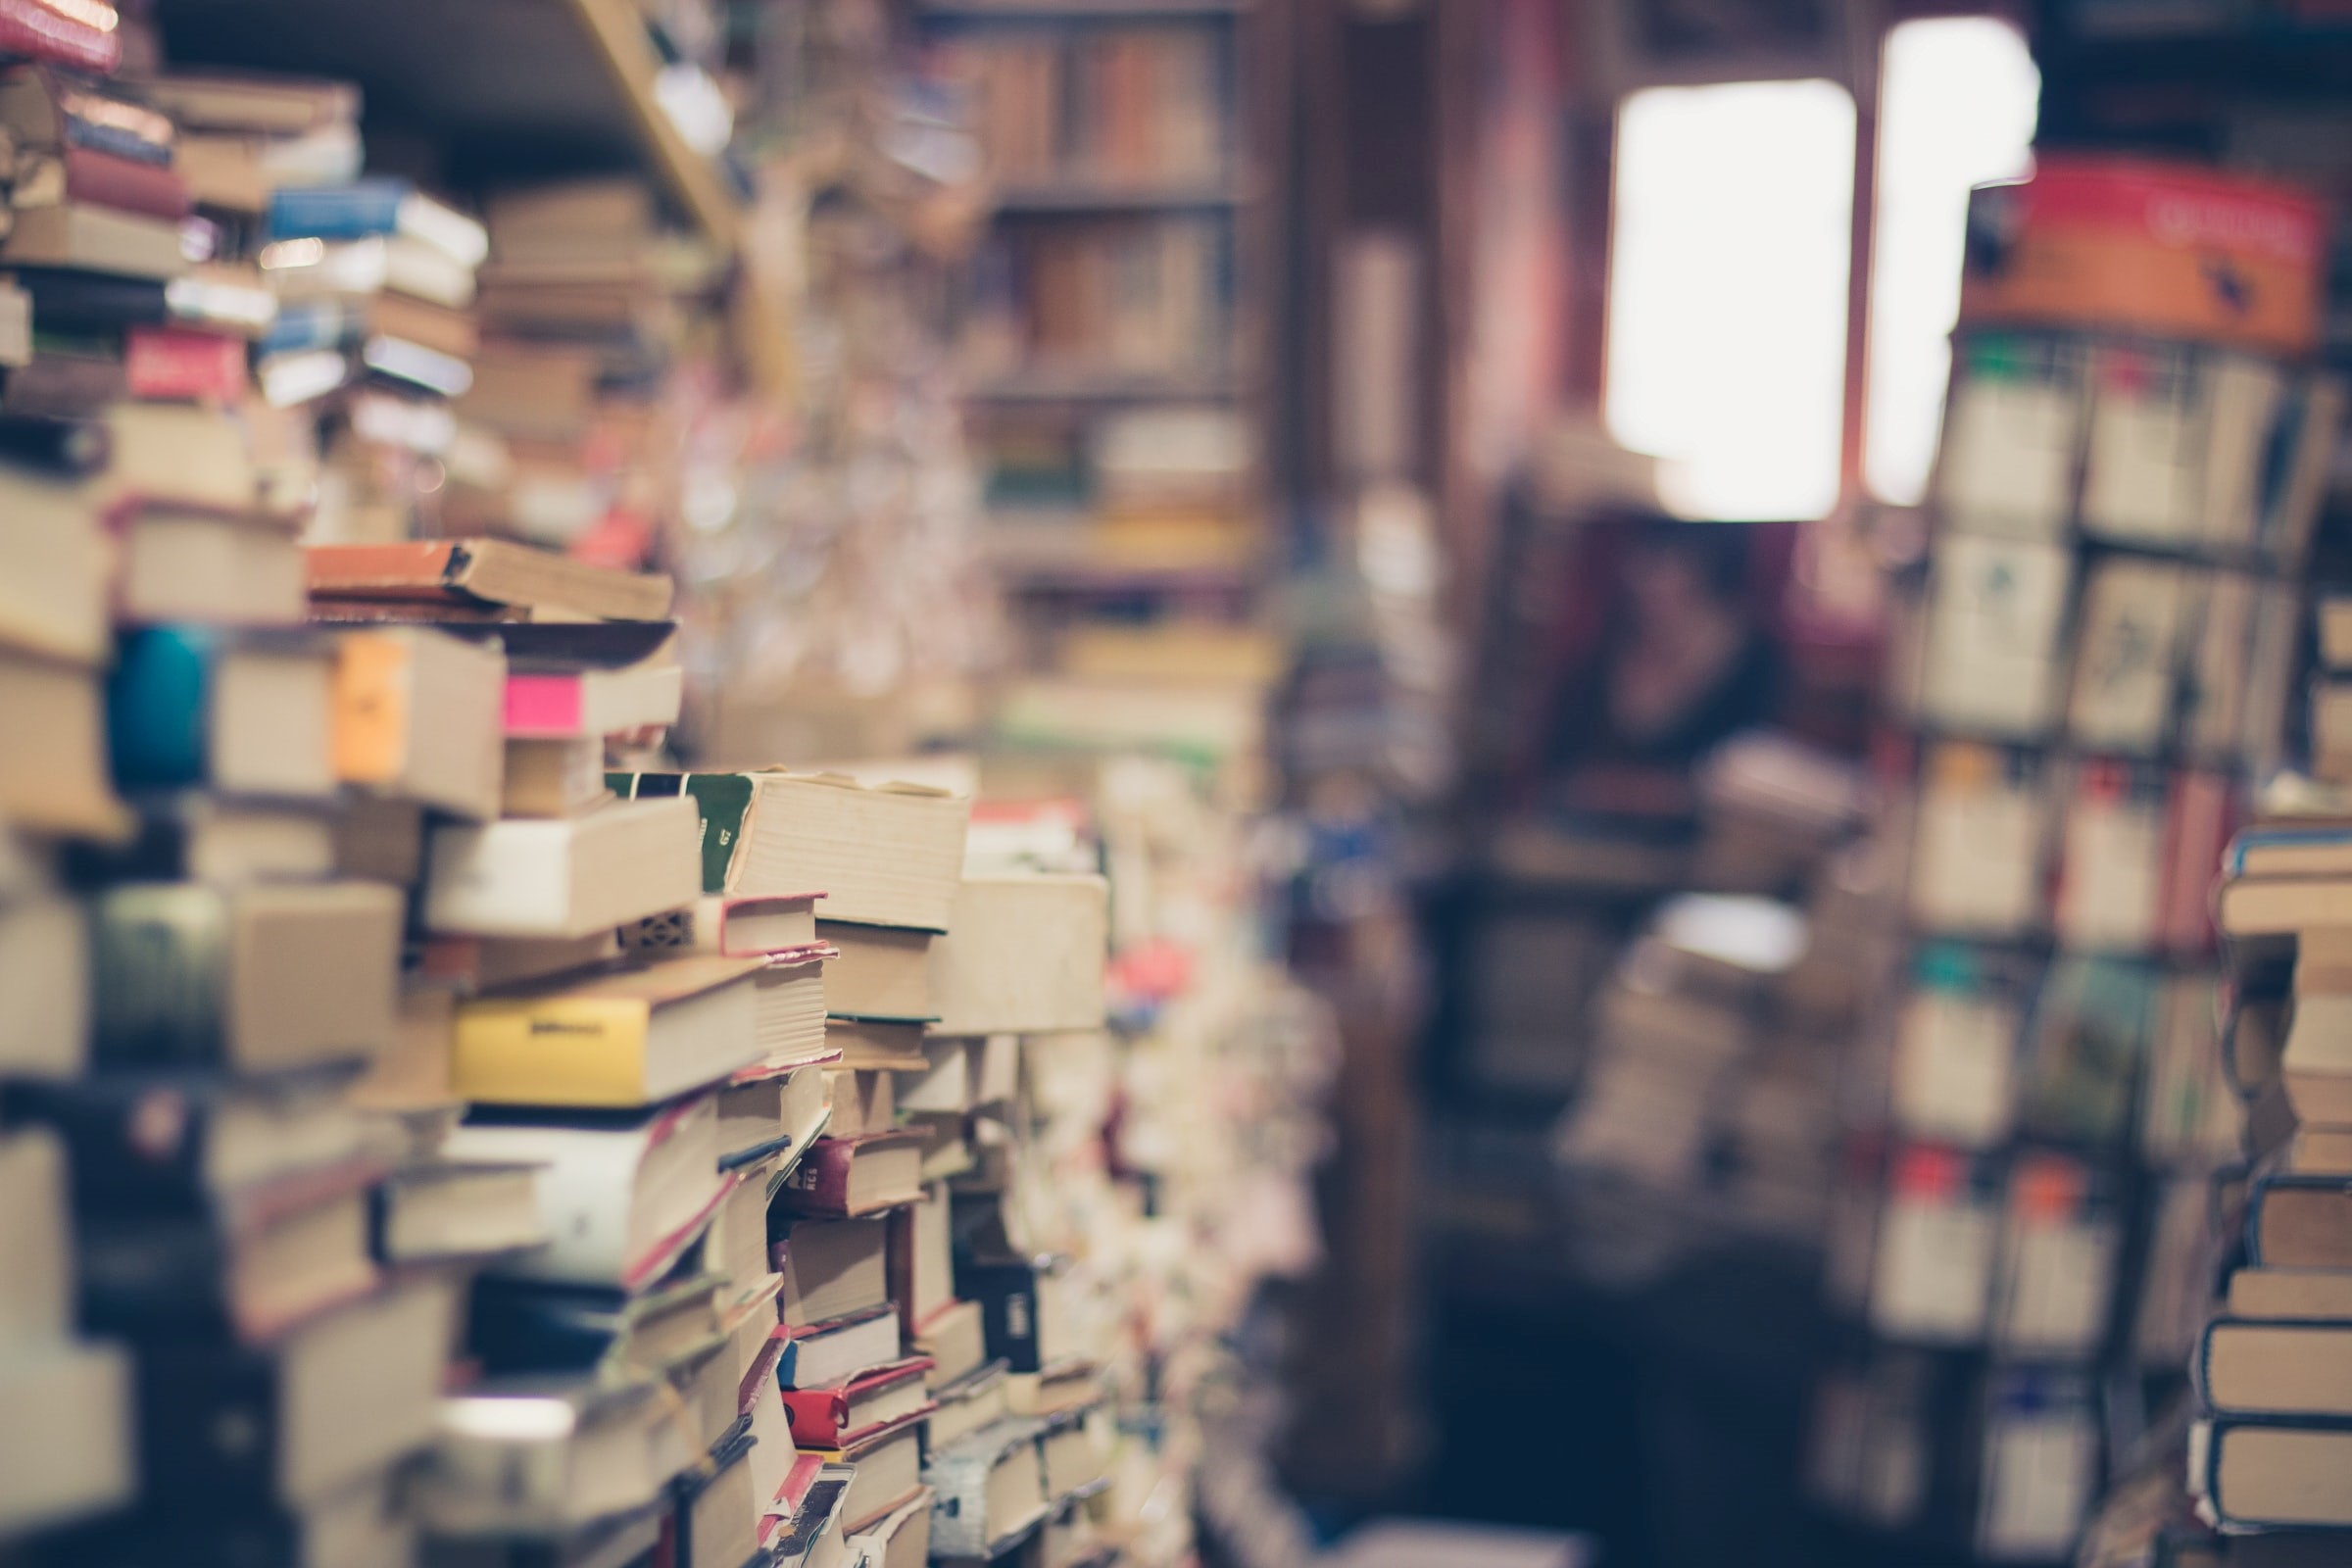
column 1109, row 331
column 2095, row 671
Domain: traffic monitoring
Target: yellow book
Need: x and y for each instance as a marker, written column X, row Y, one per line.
column 633, row 1036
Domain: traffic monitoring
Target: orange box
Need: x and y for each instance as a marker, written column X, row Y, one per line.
column 2143, row 246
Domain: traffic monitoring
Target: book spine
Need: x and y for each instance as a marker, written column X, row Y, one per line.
column 820, row 1185
column 84, row 304
column 557, row 1052
column 176, row 364
column 1008, row 1310
column 158, row 707
column 544, row 707
column 100, row 136
column 303, row 326
column 335, row 211
column 208, row 1425
column 723, row 801
column 146, row 1280
column 815, row 1415
column 28, row 27
column 374, row 683
column 125, row 183
column 958, row 1480
column 160, row 961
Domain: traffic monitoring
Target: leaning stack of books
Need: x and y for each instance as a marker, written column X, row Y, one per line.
column 875, row 869
column 1025, row 957
column 482, row 684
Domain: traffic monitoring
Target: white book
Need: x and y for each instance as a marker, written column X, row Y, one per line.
column 2009, row 454
column 564, row 878
column 1955, row 1065
column 1024, row 953
column 618, row 1201
column 1992, row 657
column 2144, row 474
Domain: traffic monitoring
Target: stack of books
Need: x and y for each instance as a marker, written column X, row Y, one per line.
column 870, row 875
column 1121, row 106
column 199, row 1015
column 586, row 302
column 368, row 281
column 2098, row 666
column 2269, row 1447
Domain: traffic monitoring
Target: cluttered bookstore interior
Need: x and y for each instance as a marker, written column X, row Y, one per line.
column 1175, row 783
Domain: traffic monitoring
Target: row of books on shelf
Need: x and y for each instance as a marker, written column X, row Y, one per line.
column 210, row 243
column 1122, row 107
column 1133, row 297
column 2126, row 654
column 2104, row 855
column 1985, row 1044
column 1999, row 1463
column 2055, row 437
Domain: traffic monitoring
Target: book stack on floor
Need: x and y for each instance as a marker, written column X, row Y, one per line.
column 2268, row 1453
column 192, row 1043
column 2105, row 644
column 873, row 872
column 627, row 1109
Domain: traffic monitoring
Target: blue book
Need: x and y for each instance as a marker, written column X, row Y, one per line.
column 374, row 207
column 305, row 326
column 2290, row 852
column 247, row 712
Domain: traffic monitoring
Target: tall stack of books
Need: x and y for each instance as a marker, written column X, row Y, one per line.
column 871, row 873
column 66, row 1432
column 219, row 982
column 2104, row 642
column 2267, row 1450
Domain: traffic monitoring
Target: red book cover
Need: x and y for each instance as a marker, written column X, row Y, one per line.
column 86, row 33
column 181, row 363
column 820, row 1417
column 820, row 1184
column 125, row 184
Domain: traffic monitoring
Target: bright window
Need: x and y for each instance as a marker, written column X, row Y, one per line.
column 1728, row 292
column 1957, row 99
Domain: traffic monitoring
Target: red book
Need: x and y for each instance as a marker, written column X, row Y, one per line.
column 179, row 363
column 125, row 184
column 842, row 1178
column 855, row 1408
column 86, row 33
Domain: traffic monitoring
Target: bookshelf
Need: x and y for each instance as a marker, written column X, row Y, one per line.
column 443, row 71
column 1118, row 281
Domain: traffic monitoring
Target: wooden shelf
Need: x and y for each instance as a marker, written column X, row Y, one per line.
column 1104, row 196
column 1101, row 386
column 505, row 90
column 1076, row 9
